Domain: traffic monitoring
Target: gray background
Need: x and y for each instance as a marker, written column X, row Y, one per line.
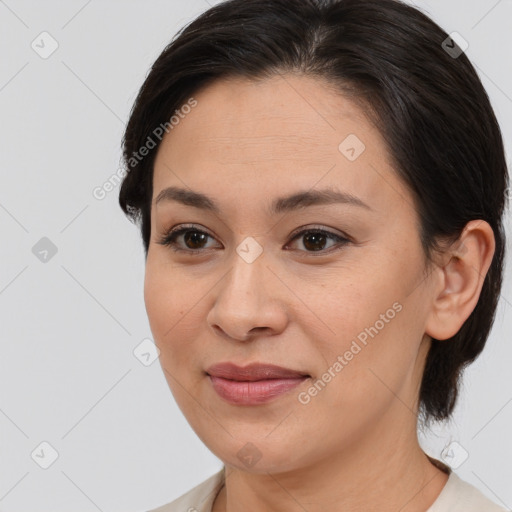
column 70, row 324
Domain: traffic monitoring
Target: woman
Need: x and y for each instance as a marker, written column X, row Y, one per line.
column 320, row 188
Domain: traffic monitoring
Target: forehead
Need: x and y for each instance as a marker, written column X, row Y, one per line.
column 285, row 132
column 288, row 115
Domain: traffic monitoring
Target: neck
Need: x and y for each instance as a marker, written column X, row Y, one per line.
column 359, row 478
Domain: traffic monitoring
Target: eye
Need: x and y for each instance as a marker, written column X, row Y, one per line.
column 193, row 238
column 313, row 239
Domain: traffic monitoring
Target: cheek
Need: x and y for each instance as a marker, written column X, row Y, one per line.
column 352, row 299
column 370, row 323
column 172, row 308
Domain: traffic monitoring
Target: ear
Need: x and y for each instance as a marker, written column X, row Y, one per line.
column 460, row 280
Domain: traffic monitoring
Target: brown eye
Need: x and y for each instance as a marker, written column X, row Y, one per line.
column 315, row 240
column 194, row 240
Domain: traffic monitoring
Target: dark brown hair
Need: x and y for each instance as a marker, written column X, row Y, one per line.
column 421, row 92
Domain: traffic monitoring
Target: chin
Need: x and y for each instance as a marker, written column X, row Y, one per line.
column 261, row 456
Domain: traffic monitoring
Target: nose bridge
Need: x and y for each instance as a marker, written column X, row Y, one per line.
column 246, row 299
column 248, row 273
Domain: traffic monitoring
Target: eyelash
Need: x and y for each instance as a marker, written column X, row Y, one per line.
column 169, row 239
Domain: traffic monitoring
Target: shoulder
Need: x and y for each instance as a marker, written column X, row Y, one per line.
column 460, row 496
column 198, row 499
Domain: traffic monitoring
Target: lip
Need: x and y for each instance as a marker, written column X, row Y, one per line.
column 254, row 384
column 253, row 372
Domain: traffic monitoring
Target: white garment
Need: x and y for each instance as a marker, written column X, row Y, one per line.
column 457, row 496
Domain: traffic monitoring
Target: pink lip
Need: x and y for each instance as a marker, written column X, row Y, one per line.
column 253, row 384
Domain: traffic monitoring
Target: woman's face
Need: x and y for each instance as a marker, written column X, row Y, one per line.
column 350, row 312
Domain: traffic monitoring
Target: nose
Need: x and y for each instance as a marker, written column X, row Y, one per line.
column 250, row 302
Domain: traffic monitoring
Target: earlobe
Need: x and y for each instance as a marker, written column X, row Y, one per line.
column 462, row 278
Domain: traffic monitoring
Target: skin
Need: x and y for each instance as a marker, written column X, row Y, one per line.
column 354, row 446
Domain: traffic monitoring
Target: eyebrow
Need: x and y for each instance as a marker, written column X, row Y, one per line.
column 280, row 205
